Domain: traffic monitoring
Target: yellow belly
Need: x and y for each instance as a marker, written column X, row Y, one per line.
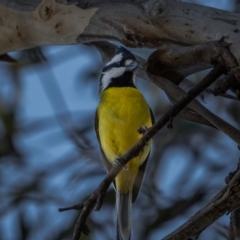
column 121, row 112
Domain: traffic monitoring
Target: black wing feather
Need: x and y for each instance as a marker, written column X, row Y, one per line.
column 141, row 171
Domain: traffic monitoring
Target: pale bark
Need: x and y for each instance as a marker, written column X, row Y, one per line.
column 26, row 23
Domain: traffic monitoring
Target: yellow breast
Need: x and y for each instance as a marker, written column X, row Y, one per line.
column 121, row 112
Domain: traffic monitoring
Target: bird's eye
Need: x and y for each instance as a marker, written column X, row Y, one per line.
column 128, row 62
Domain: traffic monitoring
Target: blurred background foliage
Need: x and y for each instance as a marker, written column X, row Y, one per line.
column 49, row 155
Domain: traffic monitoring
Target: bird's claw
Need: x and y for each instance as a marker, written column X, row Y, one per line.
column 142, row 130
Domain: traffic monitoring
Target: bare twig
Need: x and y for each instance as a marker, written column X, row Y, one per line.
column 74, row 207
column 225, row 95
column 225, row 201
column 136, row 149
column 206, row 216
column 7, row 58
column 230, row 82
column 234, row 228
column 179, row 93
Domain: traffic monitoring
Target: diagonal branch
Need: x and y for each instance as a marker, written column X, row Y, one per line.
column 179, row 93
column 95, row 199
column 216, row 208
column 234, row 228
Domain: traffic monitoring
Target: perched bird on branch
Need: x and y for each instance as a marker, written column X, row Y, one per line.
column 121, row 117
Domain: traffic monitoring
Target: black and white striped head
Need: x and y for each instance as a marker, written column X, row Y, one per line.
column 119, row 71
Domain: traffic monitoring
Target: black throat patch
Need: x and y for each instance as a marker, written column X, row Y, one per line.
column 125, row 80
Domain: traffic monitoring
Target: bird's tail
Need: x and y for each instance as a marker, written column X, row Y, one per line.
column 124, row 204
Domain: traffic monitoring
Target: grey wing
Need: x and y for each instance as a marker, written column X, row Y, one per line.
column 141, row 171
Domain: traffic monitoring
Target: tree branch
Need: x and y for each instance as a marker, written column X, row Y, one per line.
column 234, row 228
column 179, row 93
column 175, row 62
column 207, row 215
column 98, row 194
column 138, row 23
column 155, row 74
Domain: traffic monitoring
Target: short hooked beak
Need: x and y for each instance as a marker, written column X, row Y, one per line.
column 133, row 66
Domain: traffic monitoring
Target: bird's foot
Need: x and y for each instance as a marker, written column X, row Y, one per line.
column 142, row 130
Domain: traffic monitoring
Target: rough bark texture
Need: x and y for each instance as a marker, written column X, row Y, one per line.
column 26, row 23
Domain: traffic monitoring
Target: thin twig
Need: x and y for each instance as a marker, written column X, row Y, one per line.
column 225, row 95
column 137, row 148
column 74, row 207
column 224, row 202
column 179, row 93
column 207, row 215
column 234, row 228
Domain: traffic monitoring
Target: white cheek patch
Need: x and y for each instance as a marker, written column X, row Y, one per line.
column 115, row 59
column 112, row 73
column 128, row 62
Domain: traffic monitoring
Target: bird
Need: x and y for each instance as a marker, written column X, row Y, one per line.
column 120, row 115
